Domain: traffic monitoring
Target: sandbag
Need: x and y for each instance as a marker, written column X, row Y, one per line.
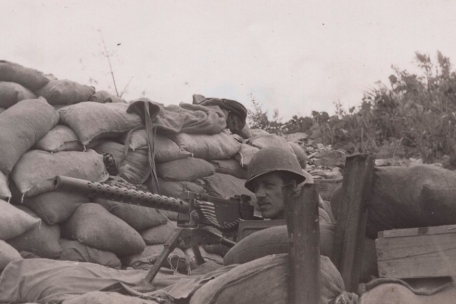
column 65, row 92
column 300, row 154
column 146, row 259
column 184, row 118
column 186, row 169
column 29, row 78
column 407, row 197
column 231, row 167
column 99, row 297
column 207, row 256
column 5, row 193
column 35, row 171
column 78, row 252
column 274, row 240
column 28, row 120
column 226, row 186
column 52, row 281
column 105, row 97
column 59, row 138
column 245, row 154
column 14, row 222
column 55, row 207
column 42, row 240
column 177, row 188
column 216, row 146
column 11, row 93
column 165, row 149
column 7, row 254
column 267, row 140
column 245, row 132
column 258, row 132
column 93, row 120
column 265, row 281
column 397, row 291
column 138, row 217
column 92, row 225
column 134, row 167
column 170, row 215
column 159, row 234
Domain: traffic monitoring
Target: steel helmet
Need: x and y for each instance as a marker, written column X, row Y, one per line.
column 273, row 159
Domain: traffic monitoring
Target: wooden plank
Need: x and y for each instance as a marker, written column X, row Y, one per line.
column 352, row 217
column 417, row 256
column 304, row 235
column 417, row 231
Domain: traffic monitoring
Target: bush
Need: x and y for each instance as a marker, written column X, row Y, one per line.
column 414, row 115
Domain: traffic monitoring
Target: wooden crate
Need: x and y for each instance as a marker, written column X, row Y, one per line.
column 417, row 252
column 326, row 187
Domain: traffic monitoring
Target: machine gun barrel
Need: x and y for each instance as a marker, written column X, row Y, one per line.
column 124, row 195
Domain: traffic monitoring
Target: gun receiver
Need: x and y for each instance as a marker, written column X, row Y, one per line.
column 197, row 209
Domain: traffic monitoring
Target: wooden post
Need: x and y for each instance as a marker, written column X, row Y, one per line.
column 304, row 238
column 351, row 217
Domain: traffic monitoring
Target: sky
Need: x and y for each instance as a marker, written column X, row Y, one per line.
column 296, row 56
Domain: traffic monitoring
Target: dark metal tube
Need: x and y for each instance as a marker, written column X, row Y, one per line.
column 124, row 195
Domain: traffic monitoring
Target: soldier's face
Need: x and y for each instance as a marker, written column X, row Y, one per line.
column 268, row 191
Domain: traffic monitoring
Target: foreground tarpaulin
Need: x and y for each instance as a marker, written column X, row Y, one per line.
column 50, row 281
column 419, row 291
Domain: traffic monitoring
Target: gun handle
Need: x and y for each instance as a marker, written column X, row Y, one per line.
column 198, row 257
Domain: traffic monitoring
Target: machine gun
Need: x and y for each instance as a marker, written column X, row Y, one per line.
column 195, row 211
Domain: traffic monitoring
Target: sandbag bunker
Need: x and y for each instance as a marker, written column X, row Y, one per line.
column 65, row 247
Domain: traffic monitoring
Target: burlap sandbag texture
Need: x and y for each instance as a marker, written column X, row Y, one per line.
column 5, row 192
column 7, row 254
column 99, row 297
column 11, row 93
column 65, row 92
column 407, row 197
column 42, row 239
column 245, row 154
column 186, row 169
column 55, row 207
column 92, row 120
column 146, row 259
column 21, row 127
column 138, row 217
column 226, row 186
column 274, row 240
column 267, row 140
column 29, row 78
column 216, row 146
column 231, row 167
column 134, row 166
column 207, row 256
column 14, row 222
column 397, row 291
column 159, row 234
column 92, row 225
column 165, row 149
column 265, row 281
column 177, row 188
column 78, row 252
column 35, row 171
column 105, row 97
column 59, row 138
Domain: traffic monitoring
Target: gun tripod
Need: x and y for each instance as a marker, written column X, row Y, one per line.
column 192, row 236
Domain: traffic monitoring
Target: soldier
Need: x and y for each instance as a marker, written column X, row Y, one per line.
column 269, row 170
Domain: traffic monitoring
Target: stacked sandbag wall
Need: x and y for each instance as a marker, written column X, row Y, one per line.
column 66, row 128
